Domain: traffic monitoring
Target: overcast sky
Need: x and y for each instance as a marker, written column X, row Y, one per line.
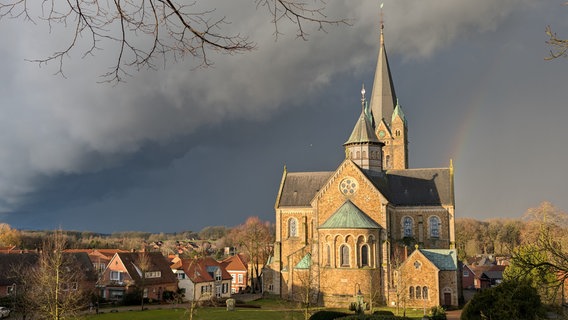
column 180, row 149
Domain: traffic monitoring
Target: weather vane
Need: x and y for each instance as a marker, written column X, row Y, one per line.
column 382, row 20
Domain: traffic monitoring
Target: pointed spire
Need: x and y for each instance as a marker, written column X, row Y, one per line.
column 383, row 95
column 363, row 131
column 398, row 112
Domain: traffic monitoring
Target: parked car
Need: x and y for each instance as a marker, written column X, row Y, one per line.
column 4, row 312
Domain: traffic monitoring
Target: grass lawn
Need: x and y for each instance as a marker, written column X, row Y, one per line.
column 271, row 308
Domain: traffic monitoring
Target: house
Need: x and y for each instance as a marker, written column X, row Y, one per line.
column 468, row 277
column 13, row 267
column 202, row 279
column 128, row 272
column 486, row 276
column 237, row 267
column 99, row 257
column 427, row 278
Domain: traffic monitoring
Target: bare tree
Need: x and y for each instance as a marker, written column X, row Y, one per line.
column 144, row 265
column 558, row 46
column 53, row 285
column 255, row 239
column 146, row 31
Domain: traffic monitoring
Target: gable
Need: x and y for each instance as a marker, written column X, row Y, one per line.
column 349, row 182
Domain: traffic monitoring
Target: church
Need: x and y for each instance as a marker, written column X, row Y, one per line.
column 372, row 228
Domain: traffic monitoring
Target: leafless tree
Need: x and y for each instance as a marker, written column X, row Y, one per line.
column 144, row 265
column 54, row 290
column 147, row 31
column 255, row 239
column 558, row 46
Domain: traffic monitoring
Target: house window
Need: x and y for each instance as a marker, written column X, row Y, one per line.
column 218, row 291
column 344, row 256
column 225, row 288
column 365, row 255
column 411, row 292
column 234, row 276
column 292, row 227
column 115, row 276
column 145, row 294
column 153, row 274
column 407, row 227
column 425, row 292
column 270, row 287
column 240, row 278
column 11, row 290
column 418, row 291
column 181, row 276
column 466, row 273
column 434, row 223
column 218, row 276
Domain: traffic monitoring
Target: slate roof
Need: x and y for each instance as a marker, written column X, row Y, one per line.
column 443, row 259
column 349, row 216
column 409, row 187
column 301, row 187
column 11, row 262
column 419, row 187
column 157, row 261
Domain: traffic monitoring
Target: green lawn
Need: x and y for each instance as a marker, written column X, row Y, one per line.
column 271, row 308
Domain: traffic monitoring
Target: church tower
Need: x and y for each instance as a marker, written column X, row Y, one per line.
column 388, row 119
column 363, row 147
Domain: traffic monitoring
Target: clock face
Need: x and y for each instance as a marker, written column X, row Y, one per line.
column 382, row 134
column 348, row 186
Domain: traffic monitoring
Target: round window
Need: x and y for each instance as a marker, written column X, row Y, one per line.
column 348, row 186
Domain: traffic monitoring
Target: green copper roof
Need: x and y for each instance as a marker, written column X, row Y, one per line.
column 444, row 259
column 363, row 131
column 348, row 216
column 398, row 112
column 305, row 263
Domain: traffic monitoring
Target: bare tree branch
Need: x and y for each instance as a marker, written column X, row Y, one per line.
column 145, row 30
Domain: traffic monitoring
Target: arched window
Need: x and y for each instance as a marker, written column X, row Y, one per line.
column 365, row 255
column 292, row 227
column 418, row 291
column 328, row 254
column 434, row 223
column 425, row 292
column 358, row 155
column 407, row 227
column 397, row 133
column 344, row 256
column 411, row 293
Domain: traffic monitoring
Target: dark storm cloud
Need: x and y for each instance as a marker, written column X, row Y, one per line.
column 73, row 149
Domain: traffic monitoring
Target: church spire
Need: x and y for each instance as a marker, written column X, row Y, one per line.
column 383, row 96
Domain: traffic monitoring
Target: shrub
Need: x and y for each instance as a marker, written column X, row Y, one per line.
column 327, row 315
column 437, row 313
